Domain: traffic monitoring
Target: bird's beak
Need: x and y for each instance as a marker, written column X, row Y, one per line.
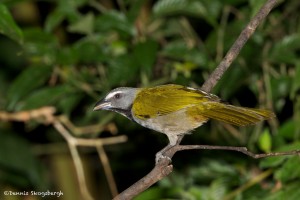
column 102, row 105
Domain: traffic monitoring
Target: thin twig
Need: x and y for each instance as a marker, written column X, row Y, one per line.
column 107, row 170
column 46, row 115
column 237, row 46
column 76, row 158
column 104, row 125
column 164, row 168
column 243, row 150
column 73, row 142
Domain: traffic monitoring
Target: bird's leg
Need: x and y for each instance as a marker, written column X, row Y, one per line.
column 174, row 140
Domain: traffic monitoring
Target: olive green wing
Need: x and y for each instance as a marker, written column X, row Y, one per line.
column 165, row 99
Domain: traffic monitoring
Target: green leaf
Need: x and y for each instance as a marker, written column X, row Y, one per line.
column 180, row 51
column 197, row 192
column 30, row 79
column 85, row 25
column 296, row 81
column 122, row 70
column 256, row 5
column 167, row 7
column 8, row 26
column 41, row 46
column 91, row 50
column 276, row 161
column 272, row 161
column 265, row 141
column 289, row 170
column 69, row 101
column 134, row 10
column 280, row 88
column 44, row 97
column 288, row 191
column 209, row 10
column 185, row 68
column 218, row 188
column 145, row 54
column 71, row 4
column 286, row 50
column 211, row 170
column 151, row 193
column 287, row 130
column 54, row 19
column 67, row 56
column 113, row 20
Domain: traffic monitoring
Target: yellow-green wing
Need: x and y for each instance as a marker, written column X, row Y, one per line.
column 239, row 116
column 165, row 99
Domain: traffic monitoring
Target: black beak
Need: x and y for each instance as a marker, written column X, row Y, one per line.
column 102, row 105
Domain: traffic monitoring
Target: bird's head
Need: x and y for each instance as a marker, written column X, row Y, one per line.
column 119, row 100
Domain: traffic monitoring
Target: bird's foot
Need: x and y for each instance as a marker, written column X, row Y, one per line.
column 160, row 156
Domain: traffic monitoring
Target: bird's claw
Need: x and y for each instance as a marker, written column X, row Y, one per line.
column 159, row 157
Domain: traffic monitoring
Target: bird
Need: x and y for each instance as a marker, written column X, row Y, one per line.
column 176, row 110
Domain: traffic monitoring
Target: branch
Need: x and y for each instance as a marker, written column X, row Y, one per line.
column 44, row 114
column 237, row 46
column 243, row 150
column 164, row 168
column 67, row 129
column 98, row 143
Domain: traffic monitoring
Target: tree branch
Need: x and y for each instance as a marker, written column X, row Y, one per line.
column 164, row 168
column 237, row 46
column 46, row 115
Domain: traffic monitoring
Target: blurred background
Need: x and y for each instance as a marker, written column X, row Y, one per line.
column 58, row 58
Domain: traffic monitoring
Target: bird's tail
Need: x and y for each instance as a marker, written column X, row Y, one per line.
column 239, row 116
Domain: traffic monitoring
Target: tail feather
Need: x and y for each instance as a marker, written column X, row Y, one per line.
column 239, row 116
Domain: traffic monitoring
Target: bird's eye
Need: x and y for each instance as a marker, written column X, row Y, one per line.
column 118, row 96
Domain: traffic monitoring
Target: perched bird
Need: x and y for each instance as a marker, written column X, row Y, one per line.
column 176, row 110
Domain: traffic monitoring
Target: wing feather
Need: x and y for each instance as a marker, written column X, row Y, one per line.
column 162, row 100
column 239, row 116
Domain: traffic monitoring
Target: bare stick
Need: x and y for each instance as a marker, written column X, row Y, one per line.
column 164, row 168
column 46, row 115
column 243, row 150
column 76, row 159
column 107, row 170
column 98, row 143
column 237, row 46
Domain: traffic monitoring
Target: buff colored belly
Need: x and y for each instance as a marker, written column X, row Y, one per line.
column 174, row 124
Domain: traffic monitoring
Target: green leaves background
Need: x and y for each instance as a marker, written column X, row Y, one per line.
column 68, row 54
